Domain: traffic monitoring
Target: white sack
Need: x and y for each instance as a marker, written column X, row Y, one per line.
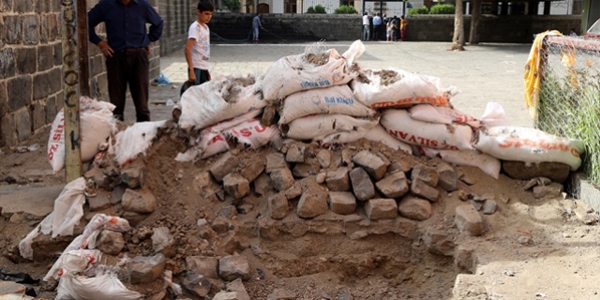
column 96, row 125
column 400, row 125
column 296, row 73
column 319, row 126
column 68, row 210
column 399, row 88
column 252, row 134
column 220, row 99
column 135, row 140
column 332, row 100
column 442, row 115
column 376, row 134
column 488, row 164
column 98, row 223
column 529, row 145
column 105, row 286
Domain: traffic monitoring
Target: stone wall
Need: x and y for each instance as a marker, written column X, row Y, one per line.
column 31, row 91
column 178, row 15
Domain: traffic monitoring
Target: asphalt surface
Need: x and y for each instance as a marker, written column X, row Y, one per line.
column 482, row 73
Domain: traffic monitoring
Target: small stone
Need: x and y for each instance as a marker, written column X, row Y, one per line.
column 489, row 207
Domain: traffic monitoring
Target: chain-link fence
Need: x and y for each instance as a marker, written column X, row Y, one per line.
column 569, row 96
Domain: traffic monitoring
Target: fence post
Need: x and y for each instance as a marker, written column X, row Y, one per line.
column 82, row 43
column 71, row 91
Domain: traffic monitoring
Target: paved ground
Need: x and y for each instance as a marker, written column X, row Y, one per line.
column 483, row 73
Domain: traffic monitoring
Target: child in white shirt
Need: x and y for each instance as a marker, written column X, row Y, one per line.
column 197, row 48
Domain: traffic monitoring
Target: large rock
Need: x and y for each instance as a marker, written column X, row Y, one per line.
column 275, row 161
column 223, row 166
column 393, row 186
column 448, row 179
column 324, row 158
column 237, row 286
column 468, row 220
column 552, row 190
column 296, row 153
column 282, row 179
column 415, row 208
column 252, row 169
column 305, row 169
column 206, row 266
column 372, row 163
column 342, row 203
column 163, row 242
column 312, row 204
column 232, row 267
column 338, row 180
column 439, row 242
column 146, row 269
column 379, row 209
column 558, row 172
column 278, row 206
column 110, row 242
column 236, row 185
column 423, row 190
column 425, row 174
column 196, row 284
column 362, row 186
column 139, row 201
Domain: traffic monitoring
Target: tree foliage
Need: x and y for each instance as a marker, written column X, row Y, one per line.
column 346, row 9
column 318, row 9
column 233, row 5
column 442, row 9
column 419, row 11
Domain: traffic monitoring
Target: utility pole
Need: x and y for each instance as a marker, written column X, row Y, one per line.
column 71, row 90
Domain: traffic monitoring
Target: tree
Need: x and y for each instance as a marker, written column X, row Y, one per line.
column 458, row 41
column 475, row 17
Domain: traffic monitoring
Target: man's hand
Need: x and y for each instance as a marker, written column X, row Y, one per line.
column 148, row 50
column 192, row 76
column 106, row 49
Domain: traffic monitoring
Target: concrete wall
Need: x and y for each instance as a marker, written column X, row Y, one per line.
column 178, row 16
column 31, row 91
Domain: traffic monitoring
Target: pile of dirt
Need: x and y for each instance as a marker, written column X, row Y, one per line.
column 327, row 256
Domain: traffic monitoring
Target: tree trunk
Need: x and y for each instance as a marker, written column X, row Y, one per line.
column 475, row 17
column 458, row 41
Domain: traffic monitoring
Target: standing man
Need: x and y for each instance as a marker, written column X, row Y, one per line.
column 366, row 30
column 126, row 49
column 376, row 27
column 256, row 25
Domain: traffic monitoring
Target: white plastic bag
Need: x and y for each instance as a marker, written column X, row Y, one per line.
column 318, row 126
column 68, row 210
column 252, row 134
column 310, row 70
column 399, row 88
column 220, row 99
column 529, row 145
column 135, row 140
column 96, row 125
column 400, row 125
column 494, row 115
column 104, row 286
column 332, row 100
column 488, row 164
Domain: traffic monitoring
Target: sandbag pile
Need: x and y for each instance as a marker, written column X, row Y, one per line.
column 328, row 98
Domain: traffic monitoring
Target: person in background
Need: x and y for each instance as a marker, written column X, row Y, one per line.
column 366, row 31
column 256, row 25
column 395, row 28
column 127, row 48
column 376, row 27
column 389, row 30
column 572, row 32
column 403, row 24
column 197, row 48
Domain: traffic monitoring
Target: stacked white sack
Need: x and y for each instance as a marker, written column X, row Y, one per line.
column 375, row 134
column 96, row 125
column 400, row 89
column 332, row 100
column 220, row 99
column 400, row 125
column 306, row 71
column 529, row 145
column 318, row 126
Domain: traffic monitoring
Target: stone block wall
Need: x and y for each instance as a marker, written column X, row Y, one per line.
column 31, row 90
column 178, row 16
